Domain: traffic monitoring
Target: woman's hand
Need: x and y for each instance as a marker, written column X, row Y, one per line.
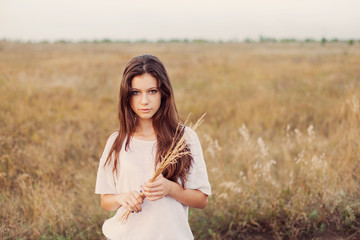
column 131, row 201
column 157, row 189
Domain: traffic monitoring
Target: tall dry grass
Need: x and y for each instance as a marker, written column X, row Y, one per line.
column 281, row 136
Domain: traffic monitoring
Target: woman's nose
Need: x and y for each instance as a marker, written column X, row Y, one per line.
column 144, row 99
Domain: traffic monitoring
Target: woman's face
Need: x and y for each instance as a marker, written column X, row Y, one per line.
column 146, row 98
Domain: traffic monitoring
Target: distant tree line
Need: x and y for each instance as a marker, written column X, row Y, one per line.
column 261, row 39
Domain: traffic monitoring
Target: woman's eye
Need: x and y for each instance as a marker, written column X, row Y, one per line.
column 135, row 92
column 153, row 91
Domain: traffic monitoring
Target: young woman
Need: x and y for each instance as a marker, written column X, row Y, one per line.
column 148, row 121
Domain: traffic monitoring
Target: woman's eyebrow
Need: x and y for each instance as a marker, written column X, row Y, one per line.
column 133, row 89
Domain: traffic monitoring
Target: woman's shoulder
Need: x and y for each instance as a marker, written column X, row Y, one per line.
column 191, row 135
column 112, row 137
column 114, row 134
column 110, row 141
column 189, row 131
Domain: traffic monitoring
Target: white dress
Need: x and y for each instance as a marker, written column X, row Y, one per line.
column 162, row 219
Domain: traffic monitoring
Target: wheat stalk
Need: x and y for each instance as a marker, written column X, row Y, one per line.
column 176, row 151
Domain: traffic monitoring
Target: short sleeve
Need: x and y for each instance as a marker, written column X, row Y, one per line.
column 104, row 180
column 198, row 177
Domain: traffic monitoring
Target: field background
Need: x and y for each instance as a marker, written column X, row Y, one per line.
column 280, row 138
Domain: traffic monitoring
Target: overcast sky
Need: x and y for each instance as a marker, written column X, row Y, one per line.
column 166, row 19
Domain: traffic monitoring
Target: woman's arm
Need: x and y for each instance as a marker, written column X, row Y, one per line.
column 162, row 187
column 131, row 201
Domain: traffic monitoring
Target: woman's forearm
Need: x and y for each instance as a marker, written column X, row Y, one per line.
column 109, row 202
column 189, row 197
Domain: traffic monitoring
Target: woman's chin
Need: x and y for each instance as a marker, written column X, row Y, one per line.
column 145, row 116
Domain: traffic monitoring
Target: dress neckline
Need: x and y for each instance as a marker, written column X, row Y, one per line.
column 141, row 140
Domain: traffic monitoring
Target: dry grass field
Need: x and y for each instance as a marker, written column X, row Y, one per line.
column 281, row 136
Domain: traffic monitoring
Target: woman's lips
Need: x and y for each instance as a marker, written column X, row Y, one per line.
column 145, row 110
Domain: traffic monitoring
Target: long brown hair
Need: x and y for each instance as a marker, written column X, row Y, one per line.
column 165, row 120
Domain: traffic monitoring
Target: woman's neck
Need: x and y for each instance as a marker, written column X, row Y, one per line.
column 145, row 130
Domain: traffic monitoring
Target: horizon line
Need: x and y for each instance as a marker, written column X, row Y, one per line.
column 183, row 40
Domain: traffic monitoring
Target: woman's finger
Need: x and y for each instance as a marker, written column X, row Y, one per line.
column 139, row 200
column 135, row 205
column 138, row 197
column 155, row 197
column 127, row 206
column 159, row 194
column 154, row 189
